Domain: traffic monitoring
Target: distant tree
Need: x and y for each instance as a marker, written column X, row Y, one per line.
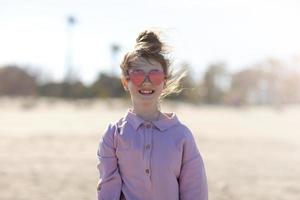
column 215, row 84
column 50, row 89
column 263, row 83
column 73, row 90
column 290, row 91
column 244, row 84
column 77, row 90
column 108, row 86
column 15, row 81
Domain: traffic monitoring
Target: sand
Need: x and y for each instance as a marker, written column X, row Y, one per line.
column 48, row 148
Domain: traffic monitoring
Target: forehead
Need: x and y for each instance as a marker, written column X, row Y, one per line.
column 144, row 64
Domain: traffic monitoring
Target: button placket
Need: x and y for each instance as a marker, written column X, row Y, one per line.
column 147, row 148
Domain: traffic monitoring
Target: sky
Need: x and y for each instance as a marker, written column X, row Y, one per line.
column 201, row 32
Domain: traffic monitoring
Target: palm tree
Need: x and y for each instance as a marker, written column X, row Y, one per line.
column 115, row 49
column 69, row 76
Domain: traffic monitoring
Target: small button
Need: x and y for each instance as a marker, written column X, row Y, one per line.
column 147, row 146
column 147, row 171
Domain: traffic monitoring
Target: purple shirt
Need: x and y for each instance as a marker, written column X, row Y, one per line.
column 150, row 161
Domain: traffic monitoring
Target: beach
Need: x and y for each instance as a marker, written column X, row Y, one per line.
column 48, row 148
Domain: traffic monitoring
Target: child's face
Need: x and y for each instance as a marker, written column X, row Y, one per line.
column 146, row 81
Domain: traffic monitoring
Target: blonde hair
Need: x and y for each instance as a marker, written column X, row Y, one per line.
column 149, row 46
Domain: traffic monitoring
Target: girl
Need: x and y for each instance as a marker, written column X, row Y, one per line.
column 148, row 154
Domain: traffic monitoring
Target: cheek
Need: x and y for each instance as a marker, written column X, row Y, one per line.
column 160, row 87
column 132, row 88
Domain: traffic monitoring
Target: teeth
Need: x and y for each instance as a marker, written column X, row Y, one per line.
column 146, row 91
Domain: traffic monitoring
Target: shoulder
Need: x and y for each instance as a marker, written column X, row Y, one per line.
column 114, row 127
column 186, row 132
column 181, row 129
column 180, row 126
column 110, row 134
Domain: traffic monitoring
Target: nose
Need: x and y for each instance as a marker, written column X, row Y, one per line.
column 147, row 79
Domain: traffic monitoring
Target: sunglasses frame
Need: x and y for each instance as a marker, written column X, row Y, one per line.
column 146, row 76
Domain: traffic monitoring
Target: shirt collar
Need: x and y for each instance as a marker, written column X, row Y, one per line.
column 165, row 121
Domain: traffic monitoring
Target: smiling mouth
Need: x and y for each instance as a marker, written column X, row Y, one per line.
column 146, row 92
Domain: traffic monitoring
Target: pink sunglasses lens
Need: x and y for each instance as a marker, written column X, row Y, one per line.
column 137, row 77
column 156, row 77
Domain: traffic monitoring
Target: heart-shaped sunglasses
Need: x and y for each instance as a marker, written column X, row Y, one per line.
column 138, row 76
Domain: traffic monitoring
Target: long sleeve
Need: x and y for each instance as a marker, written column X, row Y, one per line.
column 109, row 186
column 192, row 179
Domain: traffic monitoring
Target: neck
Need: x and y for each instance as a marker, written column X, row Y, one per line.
column 147, row 113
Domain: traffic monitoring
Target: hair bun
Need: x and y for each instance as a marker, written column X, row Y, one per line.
column 149, row 41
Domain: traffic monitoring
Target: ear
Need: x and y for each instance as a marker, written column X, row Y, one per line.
column 124, row 83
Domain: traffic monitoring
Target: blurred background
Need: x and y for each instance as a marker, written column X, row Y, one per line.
column 60, row 88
